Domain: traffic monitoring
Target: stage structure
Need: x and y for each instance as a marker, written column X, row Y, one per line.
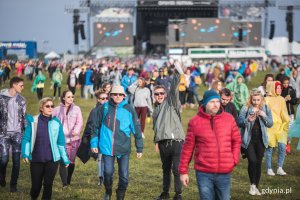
column 159, row 25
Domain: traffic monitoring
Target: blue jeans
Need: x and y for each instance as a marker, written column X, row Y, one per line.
column 195, row 91
column 123, row 166
column 213, row 186
column 281, row 155
column 100, row 165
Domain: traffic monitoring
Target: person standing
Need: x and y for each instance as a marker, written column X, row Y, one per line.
column 81, row 81
column 71, row 118
column 168, row 133
column 214, row 139
column 39, row 84
column 278, row 133
column 12, row 125
column 113, row 123
column 254, row 119
column 43, row 145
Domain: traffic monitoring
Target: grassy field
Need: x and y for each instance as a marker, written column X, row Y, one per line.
column 145, row 181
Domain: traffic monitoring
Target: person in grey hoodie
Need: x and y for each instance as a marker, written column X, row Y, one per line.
column 12, row 125
column 168, row 133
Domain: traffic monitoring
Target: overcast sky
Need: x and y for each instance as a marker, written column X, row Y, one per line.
column 46, row 22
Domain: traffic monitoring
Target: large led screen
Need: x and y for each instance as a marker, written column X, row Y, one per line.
column 113, row 34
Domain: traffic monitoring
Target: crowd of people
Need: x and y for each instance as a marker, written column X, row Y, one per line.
column 232, row 120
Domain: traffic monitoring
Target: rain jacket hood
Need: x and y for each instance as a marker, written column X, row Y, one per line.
column 271, row 88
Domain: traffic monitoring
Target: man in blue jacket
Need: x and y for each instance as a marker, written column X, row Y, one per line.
column 113, row 123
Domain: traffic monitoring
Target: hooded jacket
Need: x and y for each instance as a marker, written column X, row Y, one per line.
column 4, row 99
column 215, row 142
column 166, row 116
column 241, row 92
column 72, row 123
column 279, row 131
column 115, row 123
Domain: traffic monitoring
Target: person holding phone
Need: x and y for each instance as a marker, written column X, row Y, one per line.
column 254, row 119
column 43, row 145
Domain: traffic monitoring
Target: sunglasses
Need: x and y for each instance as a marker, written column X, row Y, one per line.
column 159, row 93
column 118, row 94
column 49, row 106
column 103, row 98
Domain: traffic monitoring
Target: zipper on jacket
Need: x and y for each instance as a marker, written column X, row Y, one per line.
column 114, row 129
column 213, row 129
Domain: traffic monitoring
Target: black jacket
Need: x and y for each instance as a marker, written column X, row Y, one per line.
column 290, row 104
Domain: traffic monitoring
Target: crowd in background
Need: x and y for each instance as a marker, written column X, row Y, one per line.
column 264, row 115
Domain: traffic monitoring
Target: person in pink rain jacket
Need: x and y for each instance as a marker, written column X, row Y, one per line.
column 71, row 118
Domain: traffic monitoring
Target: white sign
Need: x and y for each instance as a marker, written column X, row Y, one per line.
column 175, row 3
column 13, row 45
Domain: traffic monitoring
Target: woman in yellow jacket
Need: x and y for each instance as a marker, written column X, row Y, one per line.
column 277, row 134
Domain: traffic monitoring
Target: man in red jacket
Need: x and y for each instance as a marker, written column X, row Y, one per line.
column 215, row 138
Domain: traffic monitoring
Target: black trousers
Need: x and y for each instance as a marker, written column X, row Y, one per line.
column 66, row 173
column 81, row 91
column 42, row 174
column 39, row 92
column 255, row 153
column 72, row 89
column 56, row 87
column 170, row 157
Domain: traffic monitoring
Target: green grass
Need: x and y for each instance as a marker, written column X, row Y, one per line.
column 145, row 180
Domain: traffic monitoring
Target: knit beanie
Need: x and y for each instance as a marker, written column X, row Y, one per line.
column 209, row 95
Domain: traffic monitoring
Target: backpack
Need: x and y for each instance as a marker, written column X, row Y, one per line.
column 197, row 80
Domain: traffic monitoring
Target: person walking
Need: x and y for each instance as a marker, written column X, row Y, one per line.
column 12, row 125
column 71, row 118
column 43, row 146
column 72, row 81
column 214, row 139
column 168, row 133
column 277, row 134
column 39, row 84
column 240, row 91
column 113, row 123
column 141, row 101
column 254, row 119
column 57, row 79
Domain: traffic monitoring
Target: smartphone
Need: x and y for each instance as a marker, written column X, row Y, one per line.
column 252, row 113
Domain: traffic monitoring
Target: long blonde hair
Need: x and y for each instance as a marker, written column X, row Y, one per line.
column 255, row 92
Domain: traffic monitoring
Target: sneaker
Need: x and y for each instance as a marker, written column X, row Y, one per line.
column 252, row 189
column 143, row 136
column 280, row 171
column 270, row 172
column 163, row 195
column 257, row 192
column 13, row 188
column 177, row 196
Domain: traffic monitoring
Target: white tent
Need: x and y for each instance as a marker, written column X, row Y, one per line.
column 52, row 55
